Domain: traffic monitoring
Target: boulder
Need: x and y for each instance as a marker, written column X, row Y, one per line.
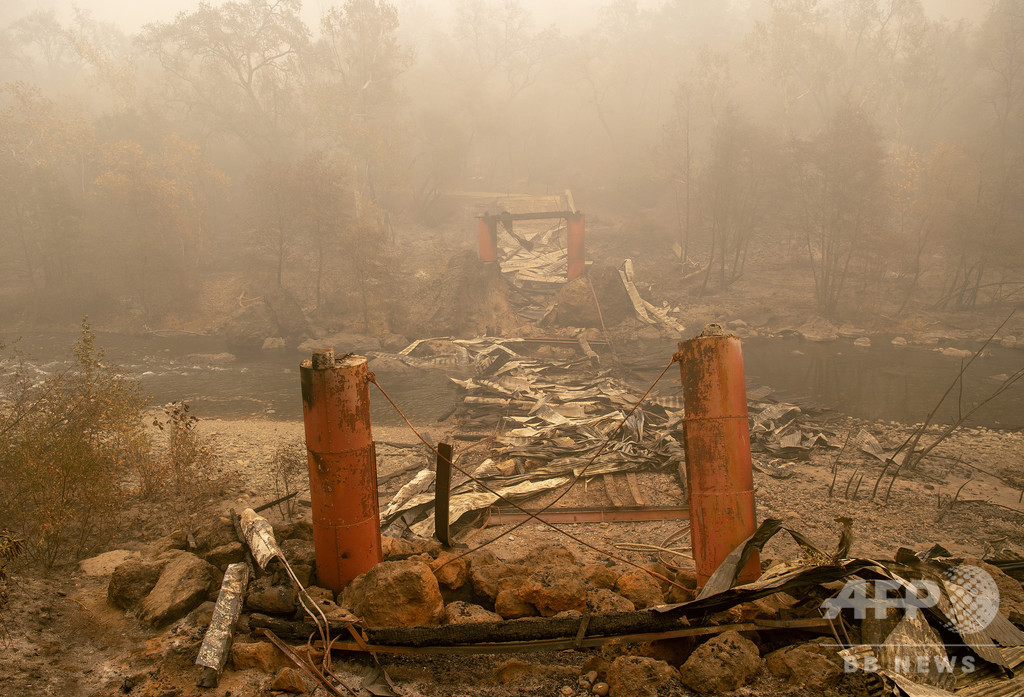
column 600, row 576
column 638, row 676
column 299, row 551
column 554, row 589
column 225, row 554
column 575, row 306
column 104, row 564
column 460, row 612
column 804, row 665
column 722, row 663
column 603, row 601
column 450, row 570
column 548, row 554
column 184, row 582
column 213, row 535
column 288, row 680
column 396, row 593
column 319, row 593
column 490, row 579
column 818, row 330
column 131, row 582
column 273, row 343
column 640, row 588
column 295, row 530
column 287, row 314
column 173, row 541
column 274, row 599
column 261, row 655
column 510, row 606
column 303, row 572
column 246, row 329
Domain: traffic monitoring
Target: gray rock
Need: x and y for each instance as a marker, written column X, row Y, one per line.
column 184, row 583
column 299, row 551
column 460, row 612
column 223, row 555
column 104, row 564
column 132, row 581
column 265, row 596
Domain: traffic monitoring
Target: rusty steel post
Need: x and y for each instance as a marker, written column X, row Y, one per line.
column 720, row 480
column 487, row 234
column 342, row 466
column 575, row 235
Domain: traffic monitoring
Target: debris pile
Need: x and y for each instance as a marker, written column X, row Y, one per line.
column 782, row 430
column 919, row 624
column 648, row 312
column 553, row 417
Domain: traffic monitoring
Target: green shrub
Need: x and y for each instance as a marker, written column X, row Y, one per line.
column 67, row 445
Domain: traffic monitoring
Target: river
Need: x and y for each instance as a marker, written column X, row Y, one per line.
column 880, row 382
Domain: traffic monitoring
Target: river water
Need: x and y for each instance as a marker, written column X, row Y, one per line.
column 880, row 382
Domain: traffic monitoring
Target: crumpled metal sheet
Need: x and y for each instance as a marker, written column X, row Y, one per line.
column 461, row 504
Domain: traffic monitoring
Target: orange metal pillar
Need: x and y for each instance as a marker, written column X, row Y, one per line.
column 487, row 233
column 720, row 480
column 342, row 466
column 575, row 234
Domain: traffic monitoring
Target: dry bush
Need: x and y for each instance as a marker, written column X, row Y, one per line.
column 289, row 466
column 67, row 443
column 184, row 472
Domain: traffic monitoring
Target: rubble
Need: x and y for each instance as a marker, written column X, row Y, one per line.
column 260, row 655
column 638, row 676
column 395, row 593
column 645, row 311
column 553, row 589
column 288, row 680
column 721, row 664
column 809, row 665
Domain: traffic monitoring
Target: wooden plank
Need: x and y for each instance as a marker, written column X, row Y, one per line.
column 634, row 488
column 609, row 488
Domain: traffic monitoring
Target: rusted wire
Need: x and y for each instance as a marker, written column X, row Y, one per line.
column 534, row 515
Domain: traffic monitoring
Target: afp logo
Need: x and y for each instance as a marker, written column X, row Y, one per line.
column 972, row 593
